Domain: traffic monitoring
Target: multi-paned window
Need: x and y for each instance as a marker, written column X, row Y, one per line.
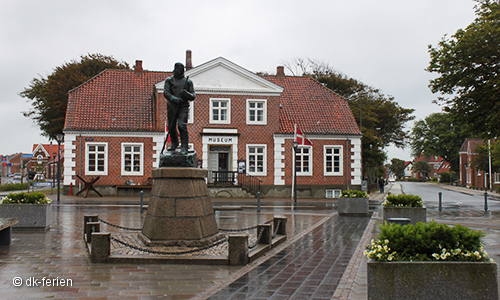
column 96, row 159
column 496, row 177
column 220, row 111
column 256, row 111
column 132, row 159
column 256, row 160
column 333, row 160
column 303, row 160
column 330, row 193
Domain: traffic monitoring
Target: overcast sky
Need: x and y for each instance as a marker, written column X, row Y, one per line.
column 382, row 43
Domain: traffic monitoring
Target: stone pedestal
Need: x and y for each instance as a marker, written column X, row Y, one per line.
column 180, row 212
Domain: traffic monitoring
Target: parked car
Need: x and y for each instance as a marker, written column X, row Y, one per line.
column 39, row 177
column 17, row 176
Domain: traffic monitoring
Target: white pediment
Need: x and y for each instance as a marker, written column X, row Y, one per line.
column 220, row 76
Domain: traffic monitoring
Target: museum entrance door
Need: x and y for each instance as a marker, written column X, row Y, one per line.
column 219, row 164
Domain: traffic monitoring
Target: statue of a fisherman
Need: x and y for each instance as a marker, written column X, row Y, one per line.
column 178, row 91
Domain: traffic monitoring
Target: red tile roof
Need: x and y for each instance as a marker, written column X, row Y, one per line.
column 314, row 108
column 114, row 100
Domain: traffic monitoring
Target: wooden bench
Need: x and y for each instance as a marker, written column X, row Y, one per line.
column 131, row 187
column 6, row 230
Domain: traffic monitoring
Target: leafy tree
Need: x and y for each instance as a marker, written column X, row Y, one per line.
column 467, row 65
column 381, row 119
column 397, row 166
column 438, row 135
column 481, row 160
column 422, row 167
column 49, row 96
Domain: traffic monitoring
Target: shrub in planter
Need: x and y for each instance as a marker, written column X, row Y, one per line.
column 353, row 202
column 430, row 261
column 405, row 206
column 33, row 210
column 25, row 198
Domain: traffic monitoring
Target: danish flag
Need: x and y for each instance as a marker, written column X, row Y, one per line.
column 301, row 138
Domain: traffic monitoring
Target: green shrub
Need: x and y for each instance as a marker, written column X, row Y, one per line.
column 411, row 179
column 25, row 198
column 354, row 194
column 13, row 186
column 403, row 200
column 427, row 242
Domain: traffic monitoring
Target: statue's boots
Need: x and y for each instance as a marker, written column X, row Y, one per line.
column 172, row 146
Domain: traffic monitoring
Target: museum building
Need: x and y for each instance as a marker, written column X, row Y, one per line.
column 241, row 125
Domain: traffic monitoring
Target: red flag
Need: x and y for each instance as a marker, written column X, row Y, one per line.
column 301, row 138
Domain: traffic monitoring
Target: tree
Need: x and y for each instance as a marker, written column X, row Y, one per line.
column 422, row 167
column 481, row 160
column 397, row 166
column 468, row 66
column 438, row 135
column 49, row 96
column 381, row 119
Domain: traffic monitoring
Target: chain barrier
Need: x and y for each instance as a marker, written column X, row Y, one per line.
column 120, row 227
column 243, row 229
column 276, row 229
column 168, row 253
column 259, row 236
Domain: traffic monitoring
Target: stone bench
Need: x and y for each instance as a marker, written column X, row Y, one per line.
column 6, row 230
column 144, row 187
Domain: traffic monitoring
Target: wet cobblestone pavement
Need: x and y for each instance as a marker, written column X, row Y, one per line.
column 322, row 258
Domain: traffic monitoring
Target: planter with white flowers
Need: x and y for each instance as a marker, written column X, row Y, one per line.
column 34, row 210
column 430, row 261
column 404, row 206
column 352, row 202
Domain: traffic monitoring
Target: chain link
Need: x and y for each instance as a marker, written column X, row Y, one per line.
column 120, row 227
column 259, row 236
column 276, row 229
column 168, row 253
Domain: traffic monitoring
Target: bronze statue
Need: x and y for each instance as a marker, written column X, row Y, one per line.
column 178, row 91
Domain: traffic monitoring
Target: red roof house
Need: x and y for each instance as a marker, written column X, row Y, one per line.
column 115, row 128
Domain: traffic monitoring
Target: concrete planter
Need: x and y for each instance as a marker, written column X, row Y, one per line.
column 357, row 206
column 415, row 214
column 432, row 280
column 31, row 216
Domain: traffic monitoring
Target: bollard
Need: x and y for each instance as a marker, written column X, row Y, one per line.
column 142, row 199
column 440, row 201
column 258, row 201
column 101, row 247
column 91, row 227
column 86, row 219
column 485, row 201
column 238, row 249
column 71, row 189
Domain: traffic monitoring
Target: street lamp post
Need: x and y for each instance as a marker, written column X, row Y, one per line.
column 295, row 146
column 59, row 139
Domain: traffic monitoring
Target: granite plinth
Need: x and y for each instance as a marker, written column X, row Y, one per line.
column 180, row 212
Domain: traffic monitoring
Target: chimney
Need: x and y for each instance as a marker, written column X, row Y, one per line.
column 280, row 71
column 189, row 62
column 138, row 66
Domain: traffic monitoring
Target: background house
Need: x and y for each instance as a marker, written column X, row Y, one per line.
column 239, row 122
column 469, row 174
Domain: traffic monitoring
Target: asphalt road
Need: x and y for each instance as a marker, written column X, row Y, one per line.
column 452, row 197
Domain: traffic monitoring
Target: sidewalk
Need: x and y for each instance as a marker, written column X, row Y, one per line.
column 322, row 259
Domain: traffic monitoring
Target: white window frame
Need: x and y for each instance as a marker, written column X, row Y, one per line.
column 264, row 160
column 341, row 160
column 39, row 159
column 220, row 100
column 309, row 155
column 333, row 193
column 496, row 177
column 87, row 152
column 141, row 159
column 264, row 110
